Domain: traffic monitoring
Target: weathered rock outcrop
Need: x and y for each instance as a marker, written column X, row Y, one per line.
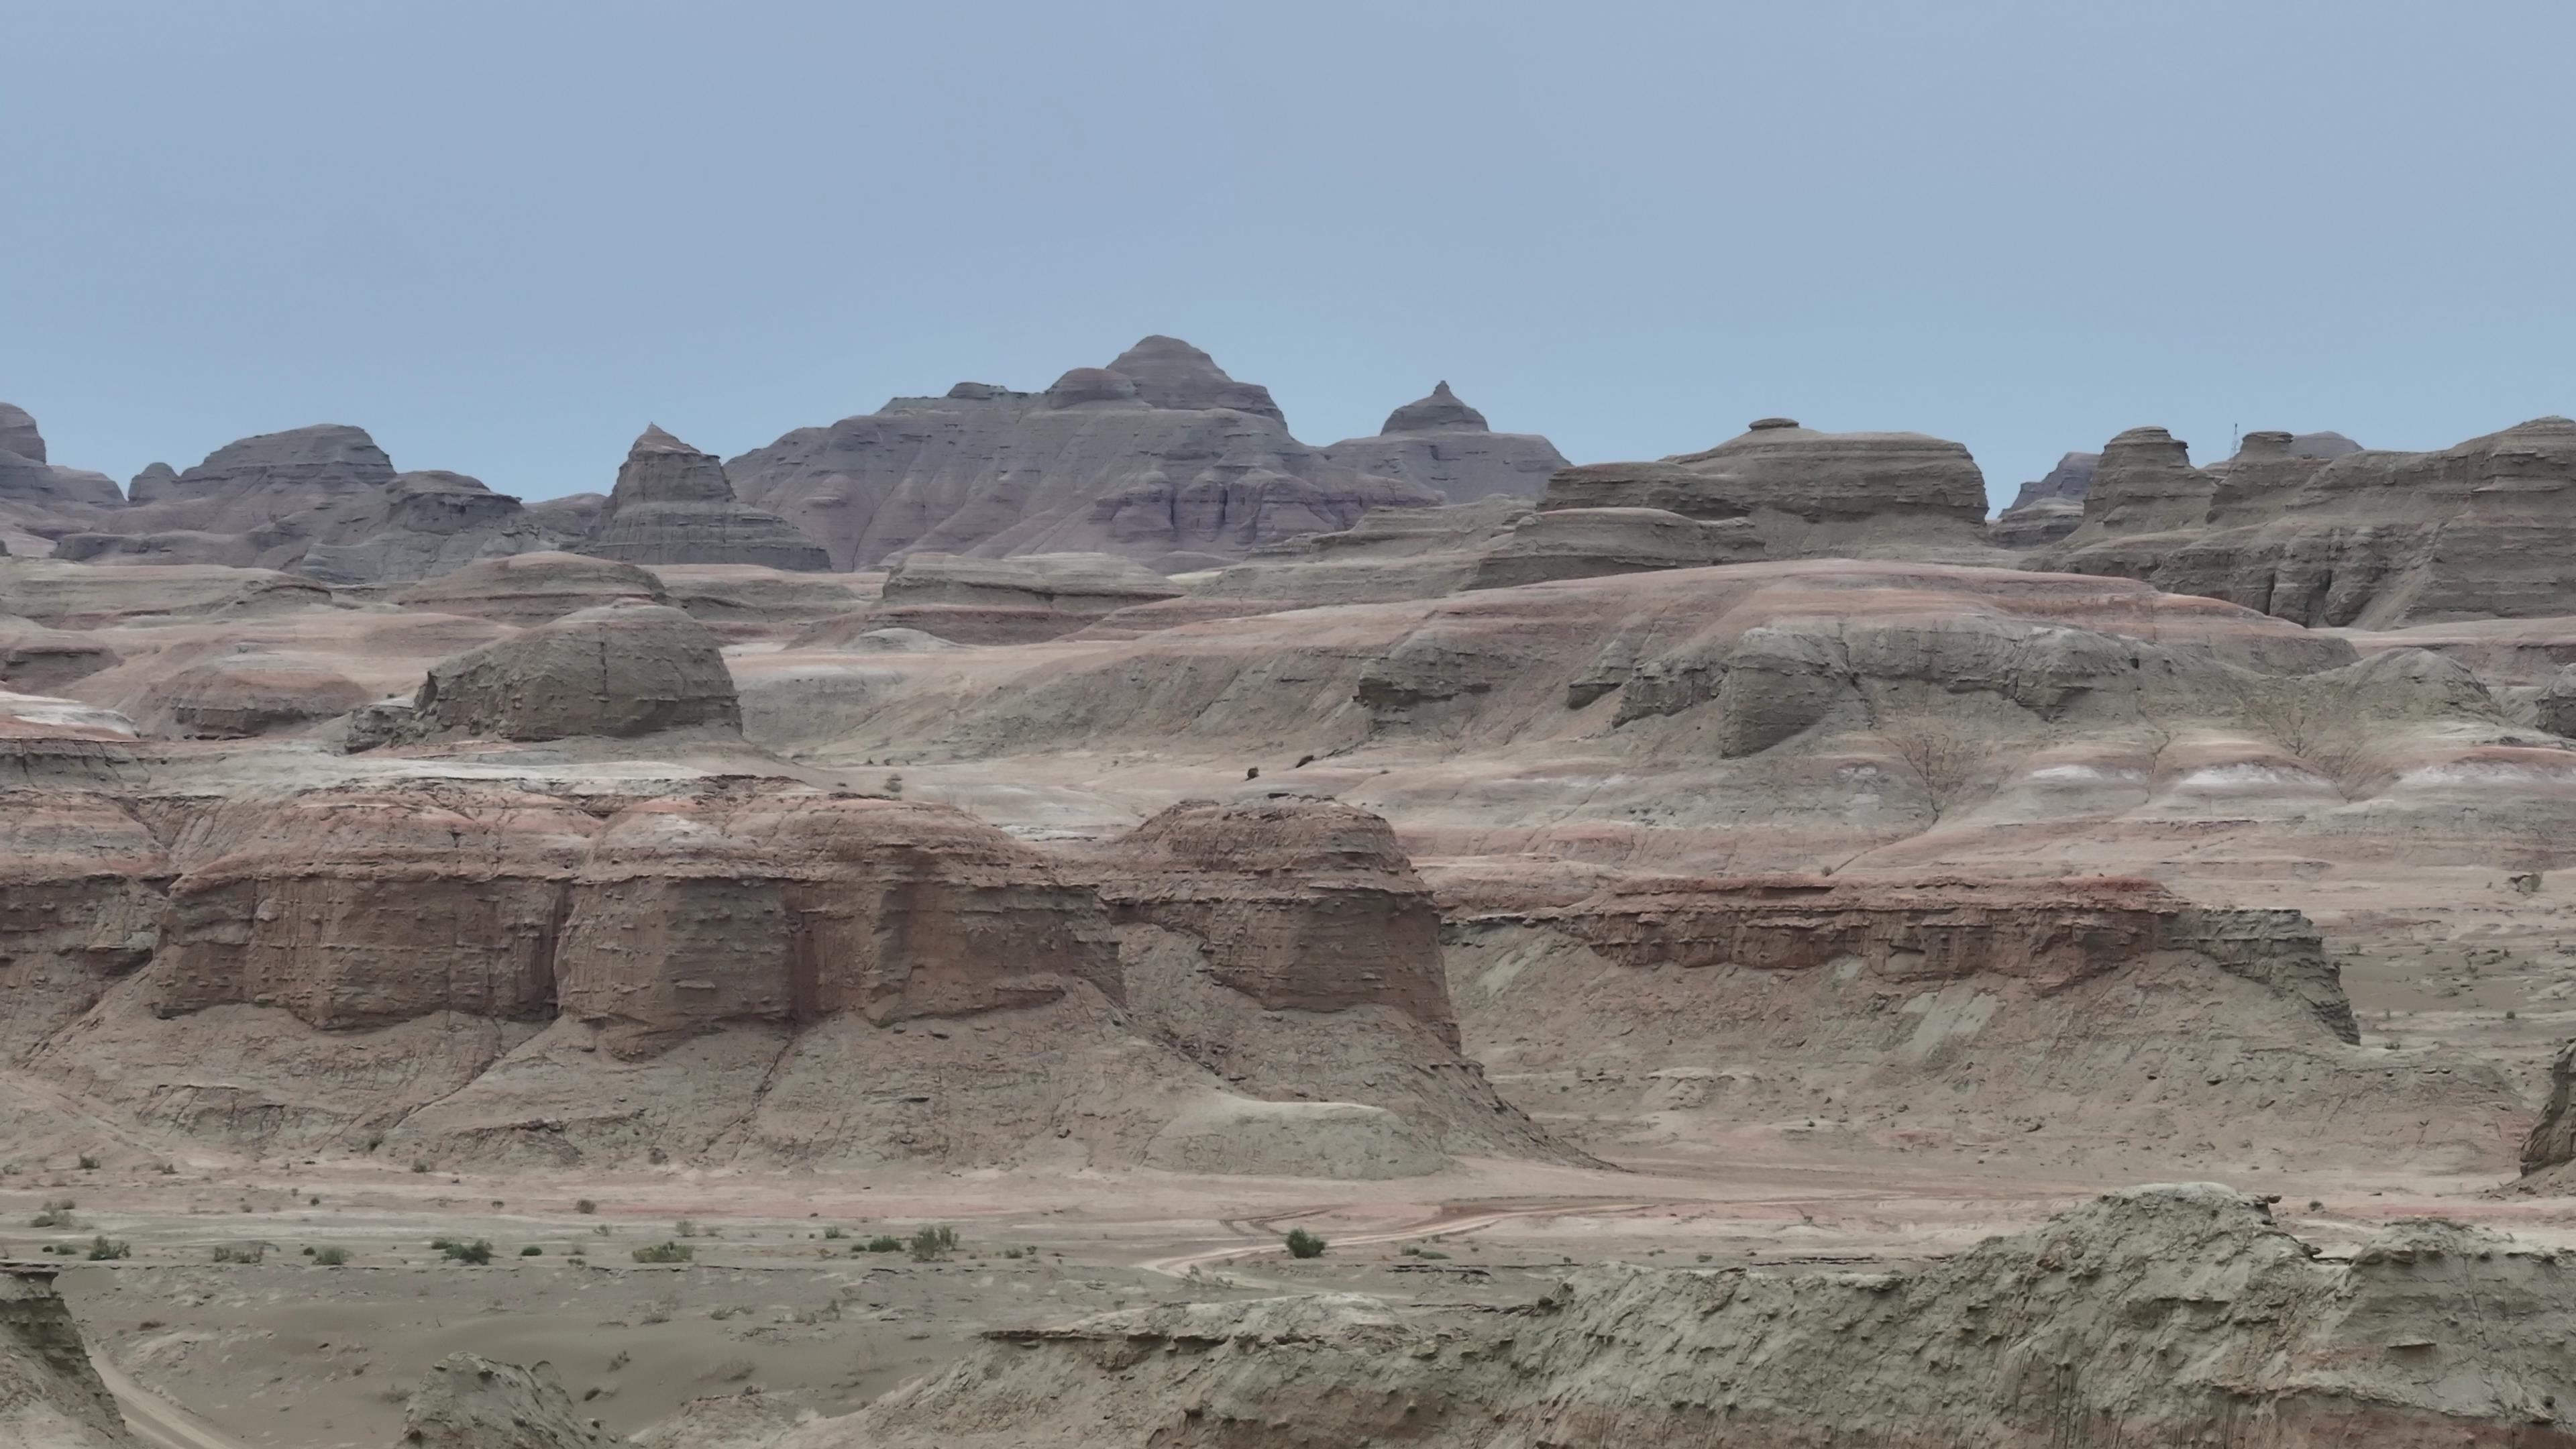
column 69, row 596
column 533, row 588
column 688, row 917
column 2048, row 509
column 2552, row 1143
column 39, row 500
column 1159, row 457
column 81, row 884
column 323, row 501
column 244, row 692
column 38, row 660
column 2155, row 1315
column 467, row 1401
column 1014, row 600
column 1442, row 444
column 672, row 505
column 1807, row 494
column 1298, row 903
column 2368, row 538
column 620, row 670
column 356, row 909
column 50, row 1396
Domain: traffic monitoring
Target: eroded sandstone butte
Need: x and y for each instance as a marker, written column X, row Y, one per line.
column 1444, row 445
column 672, row 505
column 50, row 1395
column 1807, row 494
column 2371, row 538
column 1159, row 457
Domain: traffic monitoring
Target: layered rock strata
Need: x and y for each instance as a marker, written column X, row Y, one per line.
column 50, row 1395
column 619, row 670
column 1807, row 494
column 1159, row 457
column 2155, row 1315
column 1018, row 600
column 672, row 505
column 1442, row 444
column 2368, row 538
column 2049, row 508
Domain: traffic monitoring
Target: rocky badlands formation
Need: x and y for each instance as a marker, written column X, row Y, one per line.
column 50, row 1396
column 322, row 501
column 2048, row 509
column 1807, row 494
column 2363, row 538
column 1736, row 857
column 2161, row 1315
column 1444, row 445
column 672, row 505
column 1159, row 457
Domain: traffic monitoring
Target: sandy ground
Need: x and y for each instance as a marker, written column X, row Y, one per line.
column 285, row 1353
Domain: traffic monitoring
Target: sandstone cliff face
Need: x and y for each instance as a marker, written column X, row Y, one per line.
column 620, row 670
column 40, row 501
column 672, row 505
column 1303, row 904
column 81, row 885
column 685, row 919
column 2155, row 1315
column 361, row 909
column 1444, row 445
column 1158, row 456
column 50, row 1396
column 1808, row 494
column 2368, row 538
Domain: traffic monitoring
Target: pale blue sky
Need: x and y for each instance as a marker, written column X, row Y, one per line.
column 504, row 236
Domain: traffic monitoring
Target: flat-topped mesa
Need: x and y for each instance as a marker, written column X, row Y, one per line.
column 672, row 505
column 1300, row 903
column 692, row 915
column 620, row 671
column 2369, row 538
column 1159, row 457
column 1441, row 443
column 1810, row 494
column 362, row 908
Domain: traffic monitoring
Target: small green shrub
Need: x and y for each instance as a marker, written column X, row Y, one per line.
column 1303, row 1244
column 330, row 1257
column 881, row 1243
column 585, row 1206
column 420, row 1167
column 532, row 1251
column 88, row 1163
column 477, row 1252
column 245, row 1253
column 831, row 1232
column 666, row 1253
column 104, row 1249
column 685, row 1228
column 57, row 1213
column 933, row 1243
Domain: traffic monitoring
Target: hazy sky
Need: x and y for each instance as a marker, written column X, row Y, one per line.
column 504, row 236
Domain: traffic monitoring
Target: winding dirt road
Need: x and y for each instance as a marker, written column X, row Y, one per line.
column 157, row 1421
